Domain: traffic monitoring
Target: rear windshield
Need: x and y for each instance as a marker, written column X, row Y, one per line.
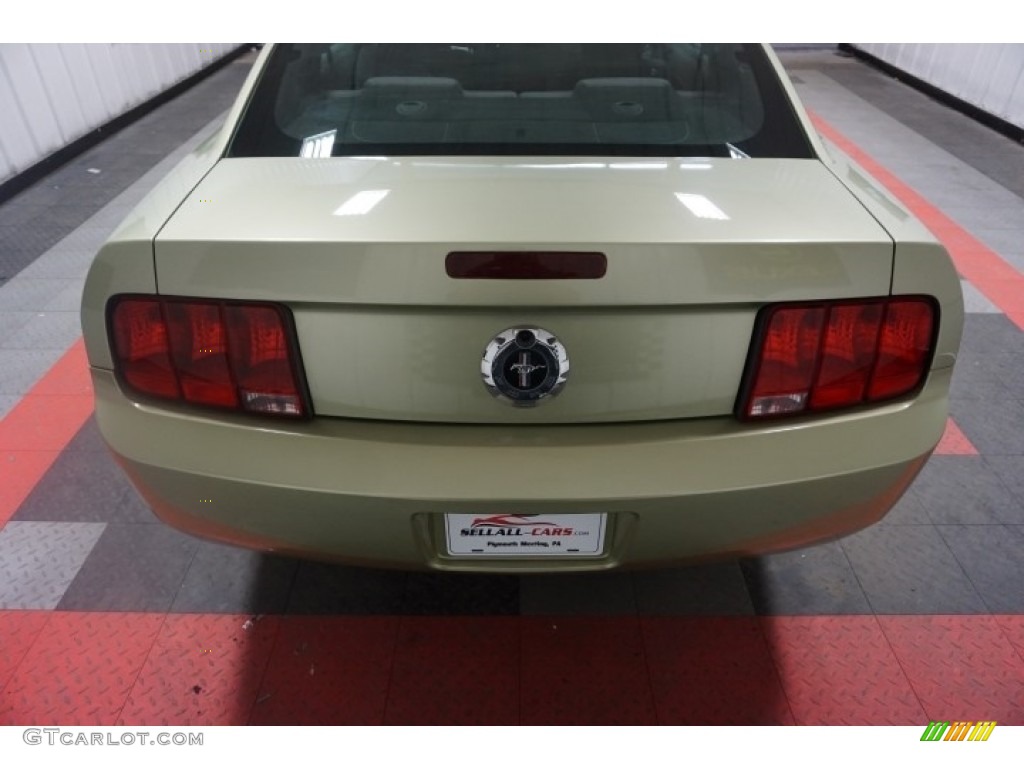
column 652, row 99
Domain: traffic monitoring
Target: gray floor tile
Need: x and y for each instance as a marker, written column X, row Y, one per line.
column 461, row 594
column 716, row 589
column 602, row 594
column 909, row 510
column 965, row 490
column 88, row 438
column 225, row 579
column 133, row 567
column 322, row 588
column 986, row 335
column 978, row 379
column 908, row 569
column 132, row 508
column 816, row 580
column 67, row 298
column 10, row 322
column 991, row 555
column 24, row 367
column 45, row 330
column 994, row 427
column 39, row 560
column 81, row 486
column 975, row 300
column 1010, row 471
column 7, row 402
column 35, row 294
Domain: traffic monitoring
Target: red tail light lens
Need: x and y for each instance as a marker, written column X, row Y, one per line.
column 142, row 348
column 212, row 353
column 822, row 356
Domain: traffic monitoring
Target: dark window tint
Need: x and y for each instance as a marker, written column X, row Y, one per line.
column 660, row 99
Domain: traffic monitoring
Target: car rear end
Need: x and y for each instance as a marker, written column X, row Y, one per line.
column 755, row 351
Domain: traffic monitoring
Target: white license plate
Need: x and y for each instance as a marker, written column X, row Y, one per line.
column 525, row 535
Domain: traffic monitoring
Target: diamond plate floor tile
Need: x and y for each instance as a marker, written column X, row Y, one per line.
column 24, row 367
column 43, row 422
column 965, row 490
column 19, row 473
column 807, row 581
column 461, row 594
column 33, row 295
column 1010, row 471
column 995, row 428
column 961, row 667
column 69, row 376
column 46, row 330
column 10, row 322
column 88, row 438
column 455, row 671
column 1013, row 629
column 993, row 558
column 202, row 670
column 81, row 487
column 328, row 670
column 321, row 588
column 39, row 560
column 716, row 589
column 909, row 510
column 974, row 300
column 18, row 631
column 133, row 567
column 909, row 569
column 582, row 594
column 840, row 670
column 713, row 671
column 80, row 669
column 6, row 403
column 225, row 579
column 584, row 671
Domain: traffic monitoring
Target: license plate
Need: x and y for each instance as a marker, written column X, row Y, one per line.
column 525, row 535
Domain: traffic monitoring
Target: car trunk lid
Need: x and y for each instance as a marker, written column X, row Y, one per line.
column 357, row 248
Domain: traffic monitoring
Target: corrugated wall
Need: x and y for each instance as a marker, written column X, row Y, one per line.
column 987, row 75
column 52, row 94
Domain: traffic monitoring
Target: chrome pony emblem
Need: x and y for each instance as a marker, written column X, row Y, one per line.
column 522, row 366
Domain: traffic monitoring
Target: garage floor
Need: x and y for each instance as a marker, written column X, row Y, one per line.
column 107, row 616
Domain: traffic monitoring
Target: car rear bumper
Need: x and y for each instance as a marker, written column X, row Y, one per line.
column 375, row 493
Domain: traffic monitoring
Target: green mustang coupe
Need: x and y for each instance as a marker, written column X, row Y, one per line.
column 497, row 307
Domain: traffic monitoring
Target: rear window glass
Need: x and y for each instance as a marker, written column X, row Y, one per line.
column 653, row 99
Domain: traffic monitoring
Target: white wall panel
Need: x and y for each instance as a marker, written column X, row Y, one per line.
column 988, row 75
column 53, row 94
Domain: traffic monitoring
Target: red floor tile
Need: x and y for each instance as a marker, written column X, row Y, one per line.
column 44, row 422
column 455, row 671
column 954, row 442
column 584, row 671
column 69, row 375
column 713, row 671
column 18, row 631
column 20, row 471
column 961, row 667
column 840, row 670
column 204, row 669
column 80, row 669
column 328, row 670
column 1013, row 629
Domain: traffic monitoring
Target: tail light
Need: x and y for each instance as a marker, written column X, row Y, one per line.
column 233, row 355
column 811, row 357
